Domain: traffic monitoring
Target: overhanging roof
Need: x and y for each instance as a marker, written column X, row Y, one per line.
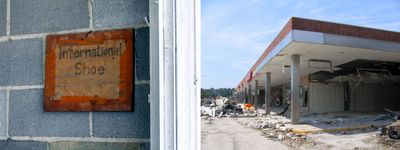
column 312, row 39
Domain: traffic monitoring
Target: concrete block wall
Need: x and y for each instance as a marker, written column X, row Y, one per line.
column 326, row 97
column 24, row 25
column 374, row 98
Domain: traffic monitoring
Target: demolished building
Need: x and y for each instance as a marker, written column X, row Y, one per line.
column 318, row 66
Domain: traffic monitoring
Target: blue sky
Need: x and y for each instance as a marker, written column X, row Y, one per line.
column 236, row 32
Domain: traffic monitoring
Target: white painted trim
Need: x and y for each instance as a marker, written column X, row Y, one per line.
column 357, row 42
column 174, row 72
column 187, row 96
column 169, row 78
column 342, row 40
column 79, row 139
column 307, row 36
column 156, row 34
column 197, row 20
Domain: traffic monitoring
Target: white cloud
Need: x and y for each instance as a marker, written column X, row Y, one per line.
column 236, row 32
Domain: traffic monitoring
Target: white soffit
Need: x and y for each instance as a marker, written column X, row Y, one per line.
column 314, row 45
column 278, row 48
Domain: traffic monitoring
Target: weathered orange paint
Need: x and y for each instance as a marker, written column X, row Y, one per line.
column 90, row 103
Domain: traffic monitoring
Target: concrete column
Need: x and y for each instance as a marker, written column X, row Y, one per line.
column 250, row 95
column 256, row 94
column 242, row 96
column 237, row 96
column 245, row 95
column 268, row 97
column 295, row 89
column 284, row 94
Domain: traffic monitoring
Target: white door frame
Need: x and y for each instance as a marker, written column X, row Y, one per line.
column 175, row 74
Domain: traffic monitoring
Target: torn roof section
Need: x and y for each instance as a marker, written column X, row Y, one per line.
column 321, row 41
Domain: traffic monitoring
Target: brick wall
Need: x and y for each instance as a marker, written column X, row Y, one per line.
column 24, row 25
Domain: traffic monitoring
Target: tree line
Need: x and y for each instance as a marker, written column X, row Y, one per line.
column 225, row 92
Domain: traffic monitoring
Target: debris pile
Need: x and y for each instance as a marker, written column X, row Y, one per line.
column 392, row 130
column 276, row 127
column 248, row 107
column 388, row 142
column 279, row 128
column 232, row 106
column 317, row 130
column 222, row 106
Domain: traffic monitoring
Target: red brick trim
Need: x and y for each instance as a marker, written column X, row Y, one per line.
column 282, row 34
column 342, row 29
column 325, row 27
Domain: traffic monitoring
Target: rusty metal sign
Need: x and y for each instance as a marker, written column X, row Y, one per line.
column 89, row 71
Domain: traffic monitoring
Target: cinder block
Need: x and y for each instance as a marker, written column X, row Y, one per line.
column 126, row 124
column 21, row 62
column 98, row 146
column 3, row 113
column 142, row 56
column 27, row 117
column 3, row 15
column 22, row 145
column 119, row 13
column 38, row 16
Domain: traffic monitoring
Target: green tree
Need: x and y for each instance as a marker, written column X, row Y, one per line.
column 208, row 93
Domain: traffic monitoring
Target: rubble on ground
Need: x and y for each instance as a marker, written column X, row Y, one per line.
column 279, row 128
column 275, row 127
column 248, row 107
column 392, row 130
column 222, row 106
